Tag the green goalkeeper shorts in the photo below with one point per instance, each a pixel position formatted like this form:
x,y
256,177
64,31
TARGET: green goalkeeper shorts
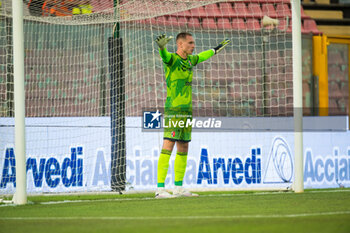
x,y
177,129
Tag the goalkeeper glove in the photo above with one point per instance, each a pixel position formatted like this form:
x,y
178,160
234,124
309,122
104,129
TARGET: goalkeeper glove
x,y
162,40
222,45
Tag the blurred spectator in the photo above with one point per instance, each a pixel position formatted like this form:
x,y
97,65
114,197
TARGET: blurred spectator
x,y
59,7
83,7
35,7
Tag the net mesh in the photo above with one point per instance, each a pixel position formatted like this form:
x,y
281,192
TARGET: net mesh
x,y
68,83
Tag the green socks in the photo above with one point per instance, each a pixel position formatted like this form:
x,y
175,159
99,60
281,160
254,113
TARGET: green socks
x,y
163,165
180,167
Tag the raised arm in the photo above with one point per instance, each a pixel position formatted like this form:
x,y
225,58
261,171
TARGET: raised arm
x,y
162,40
165,55
205,55
222,45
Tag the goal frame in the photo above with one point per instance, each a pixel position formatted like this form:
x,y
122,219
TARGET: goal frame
x,y
20,196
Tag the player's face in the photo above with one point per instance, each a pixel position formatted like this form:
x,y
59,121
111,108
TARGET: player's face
x,y
188,45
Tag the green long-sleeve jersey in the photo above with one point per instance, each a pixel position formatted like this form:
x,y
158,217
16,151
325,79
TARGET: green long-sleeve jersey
x,y
178,76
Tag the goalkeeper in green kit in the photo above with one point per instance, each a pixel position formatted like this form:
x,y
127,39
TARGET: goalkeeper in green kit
x,y
178,107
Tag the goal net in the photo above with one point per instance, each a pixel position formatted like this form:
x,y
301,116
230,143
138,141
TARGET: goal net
x,y
93,75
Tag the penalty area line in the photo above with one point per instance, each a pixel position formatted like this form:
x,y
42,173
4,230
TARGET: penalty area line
x,y
181,217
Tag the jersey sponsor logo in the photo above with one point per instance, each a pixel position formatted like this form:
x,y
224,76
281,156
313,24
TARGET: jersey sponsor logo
x,y
152,120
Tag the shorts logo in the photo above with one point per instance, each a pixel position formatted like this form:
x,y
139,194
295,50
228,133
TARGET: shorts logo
x,y
173,133
152,120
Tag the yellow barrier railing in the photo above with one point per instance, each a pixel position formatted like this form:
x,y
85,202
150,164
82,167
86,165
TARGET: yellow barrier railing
x,y
320,69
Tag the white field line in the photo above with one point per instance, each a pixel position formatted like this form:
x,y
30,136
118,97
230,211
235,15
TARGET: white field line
x,y
201,196
208,195
181,217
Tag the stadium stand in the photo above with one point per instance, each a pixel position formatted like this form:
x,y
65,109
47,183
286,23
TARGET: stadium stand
x,y
283,10
269,10
332,17
226,9
238,24
198,12
212,10
309,25
224,23
240,16
194,23
253,24
240,9
285,25
209,23
221,15
255,10
338,78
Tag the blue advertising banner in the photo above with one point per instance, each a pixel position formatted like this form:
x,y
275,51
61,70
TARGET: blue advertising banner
x,y
73,155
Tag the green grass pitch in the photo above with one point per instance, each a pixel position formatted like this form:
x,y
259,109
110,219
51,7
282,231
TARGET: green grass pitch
x,y
311,211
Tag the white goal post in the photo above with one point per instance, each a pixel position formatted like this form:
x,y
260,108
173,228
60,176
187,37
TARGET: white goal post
x,y
298,97
20,196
